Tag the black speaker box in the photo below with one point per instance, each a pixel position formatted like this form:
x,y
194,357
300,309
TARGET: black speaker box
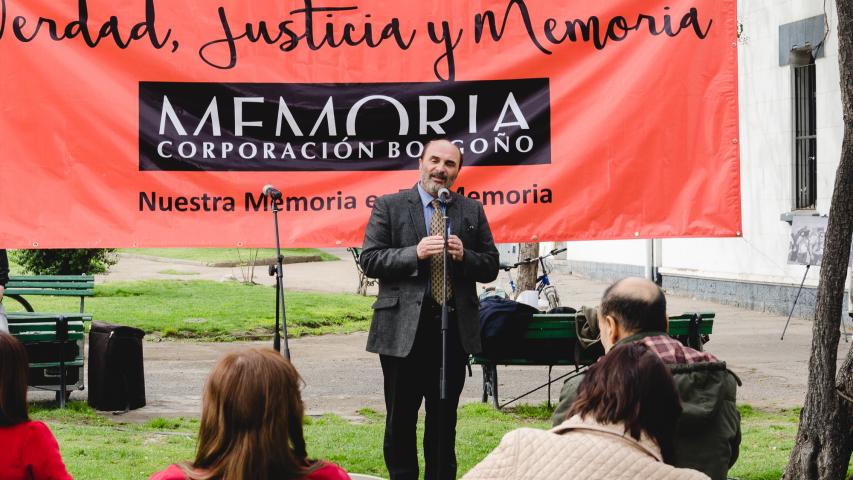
x,y
116,376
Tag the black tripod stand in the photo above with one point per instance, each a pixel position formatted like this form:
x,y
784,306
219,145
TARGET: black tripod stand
x,y
843,326
797,297
277,269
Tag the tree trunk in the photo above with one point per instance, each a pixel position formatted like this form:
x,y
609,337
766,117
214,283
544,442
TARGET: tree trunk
x,y
527,273
823,445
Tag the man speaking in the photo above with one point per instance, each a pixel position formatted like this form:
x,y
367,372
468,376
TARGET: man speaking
x,y
403,246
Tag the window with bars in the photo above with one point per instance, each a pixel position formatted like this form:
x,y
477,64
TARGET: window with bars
x,y
805,135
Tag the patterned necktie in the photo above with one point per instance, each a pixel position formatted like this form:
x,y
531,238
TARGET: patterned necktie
x,y
436,267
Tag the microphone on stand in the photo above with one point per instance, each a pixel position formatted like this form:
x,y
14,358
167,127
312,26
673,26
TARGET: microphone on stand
x,y
444,198
271,192
277,270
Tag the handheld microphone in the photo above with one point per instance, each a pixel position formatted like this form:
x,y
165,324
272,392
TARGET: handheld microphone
x,y
271,192
444,195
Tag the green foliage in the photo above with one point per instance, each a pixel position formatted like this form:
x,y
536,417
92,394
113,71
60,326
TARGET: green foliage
x,y
65,261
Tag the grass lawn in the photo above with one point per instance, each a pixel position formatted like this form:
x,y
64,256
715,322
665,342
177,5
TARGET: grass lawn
x,y
213,310
95,447
172,271
222,255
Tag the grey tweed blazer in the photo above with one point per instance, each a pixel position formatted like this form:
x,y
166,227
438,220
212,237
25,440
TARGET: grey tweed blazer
x,y
389,254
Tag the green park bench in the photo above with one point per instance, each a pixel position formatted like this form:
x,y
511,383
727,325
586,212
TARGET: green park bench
x,y
551,340
54,341
55,285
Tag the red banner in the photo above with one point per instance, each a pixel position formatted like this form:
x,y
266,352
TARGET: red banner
x,y
150,123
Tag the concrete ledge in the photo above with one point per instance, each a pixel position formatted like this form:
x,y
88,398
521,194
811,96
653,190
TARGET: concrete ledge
x,y
758,296
762,297
607,272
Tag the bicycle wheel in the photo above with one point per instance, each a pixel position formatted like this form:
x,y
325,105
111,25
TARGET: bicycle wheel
x,y
550,293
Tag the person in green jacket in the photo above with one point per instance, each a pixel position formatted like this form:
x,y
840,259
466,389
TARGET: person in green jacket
x,y
708,433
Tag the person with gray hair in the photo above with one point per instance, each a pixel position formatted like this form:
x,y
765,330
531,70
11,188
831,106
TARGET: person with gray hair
x,y
633,310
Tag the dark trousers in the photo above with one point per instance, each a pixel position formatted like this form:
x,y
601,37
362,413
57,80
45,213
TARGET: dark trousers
x,y
409,380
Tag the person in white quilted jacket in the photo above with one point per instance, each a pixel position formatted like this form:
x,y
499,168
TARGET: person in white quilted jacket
x,y
621,426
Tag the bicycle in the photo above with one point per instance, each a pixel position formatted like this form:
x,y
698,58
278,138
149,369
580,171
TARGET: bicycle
x,y
543,283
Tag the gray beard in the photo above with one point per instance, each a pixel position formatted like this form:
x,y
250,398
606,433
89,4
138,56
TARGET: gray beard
x,y
431,188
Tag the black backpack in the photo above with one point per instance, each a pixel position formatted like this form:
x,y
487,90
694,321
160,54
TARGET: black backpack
x,y
502,324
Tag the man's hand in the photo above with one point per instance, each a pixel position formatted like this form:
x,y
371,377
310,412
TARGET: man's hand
x,y
455,248
2,289
430,246
433,245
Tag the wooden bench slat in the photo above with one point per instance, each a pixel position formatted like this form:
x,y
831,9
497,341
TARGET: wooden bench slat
x,y
70,363
47,316
51,278
554,317
51,285
37,281
689,315
56,292
28,338
41,289
682,327
43,326
545,326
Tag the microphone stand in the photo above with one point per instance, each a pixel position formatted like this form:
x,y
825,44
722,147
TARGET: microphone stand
x,y
444,329
444,319
278,270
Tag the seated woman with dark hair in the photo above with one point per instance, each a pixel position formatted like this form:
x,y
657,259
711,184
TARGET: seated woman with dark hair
x,y
621,426
28,450
251,425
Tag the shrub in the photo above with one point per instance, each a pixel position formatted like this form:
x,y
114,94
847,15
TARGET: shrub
x,y
66,261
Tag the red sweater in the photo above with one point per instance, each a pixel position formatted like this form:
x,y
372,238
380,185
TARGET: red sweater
x,y
329,471
28,451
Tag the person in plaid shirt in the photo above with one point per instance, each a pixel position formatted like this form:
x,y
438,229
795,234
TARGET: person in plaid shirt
x,y
708,433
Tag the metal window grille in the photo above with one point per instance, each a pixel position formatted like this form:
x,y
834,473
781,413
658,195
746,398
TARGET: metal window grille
x,y
805,137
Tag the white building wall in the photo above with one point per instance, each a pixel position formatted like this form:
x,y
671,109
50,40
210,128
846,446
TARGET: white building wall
x,y
765,93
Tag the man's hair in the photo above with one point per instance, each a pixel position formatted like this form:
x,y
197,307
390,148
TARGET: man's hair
x,y
634,312
631,386
251,420
13,381
438,139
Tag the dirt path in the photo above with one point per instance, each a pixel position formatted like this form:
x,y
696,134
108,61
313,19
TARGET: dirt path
x,y
333,276
341,377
